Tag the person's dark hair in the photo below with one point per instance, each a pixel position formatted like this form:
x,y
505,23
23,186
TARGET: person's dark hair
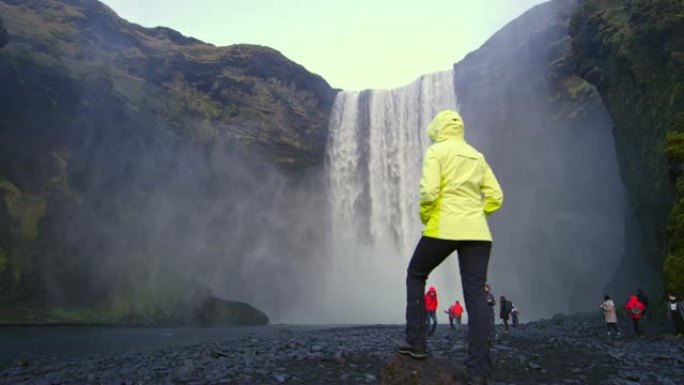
x,y
606,297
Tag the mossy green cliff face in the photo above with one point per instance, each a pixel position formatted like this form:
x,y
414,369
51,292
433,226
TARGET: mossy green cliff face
x,y
123,152
548,137
252,93
633,52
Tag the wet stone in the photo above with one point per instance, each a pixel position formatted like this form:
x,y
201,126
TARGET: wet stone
x,y
355,355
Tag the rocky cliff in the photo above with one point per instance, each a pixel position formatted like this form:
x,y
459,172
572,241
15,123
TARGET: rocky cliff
x,y
105,126
633,52
547,136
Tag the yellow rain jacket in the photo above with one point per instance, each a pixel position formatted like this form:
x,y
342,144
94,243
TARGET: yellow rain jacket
x,y
457,189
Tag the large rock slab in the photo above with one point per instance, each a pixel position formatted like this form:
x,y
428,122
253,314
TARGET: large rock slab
x,y
216,311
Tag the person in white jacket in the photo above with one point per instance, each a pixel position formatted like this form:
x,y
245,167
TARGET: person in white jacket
x,y
610,315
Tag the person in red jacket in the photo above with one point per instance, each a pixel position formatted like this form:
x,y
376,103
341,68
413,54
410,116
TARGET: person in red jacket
x,y
455,313
431,309
635,309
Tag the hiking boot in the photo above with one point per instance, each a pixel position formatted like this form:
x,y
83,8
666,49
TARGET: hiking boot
x,y
415,352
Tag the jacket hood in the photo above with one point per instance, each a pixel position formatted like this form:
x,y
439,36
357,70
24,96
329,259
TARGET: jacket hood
x,y
633,299
432,290
447,124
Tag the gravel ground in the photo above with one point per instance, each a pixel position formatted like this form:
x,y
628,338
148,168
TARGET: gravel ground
x,y
564,350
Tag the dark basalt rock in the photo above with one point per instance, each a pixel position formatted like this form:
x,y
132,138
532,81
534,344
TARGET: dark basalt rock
x,y
101,118
249,92
633,52
220,312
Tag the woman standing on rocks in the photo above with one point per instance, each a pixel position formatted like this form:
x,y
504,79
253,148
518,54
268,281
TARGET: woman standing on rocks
x,y
458,190
609,314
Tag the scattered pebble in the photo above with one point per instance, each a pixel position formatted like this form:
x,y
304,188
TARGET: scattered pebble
x,y
568,350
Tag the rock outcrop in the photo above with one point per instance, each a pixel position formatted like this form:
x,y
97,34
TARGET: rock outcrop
x,y
547,136
220,312
105,125
633,52
252,93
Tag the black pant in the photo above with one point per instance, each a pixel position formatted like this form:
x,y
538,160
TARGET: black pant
x,y
473,258
635,323
677,321
455,322
612,326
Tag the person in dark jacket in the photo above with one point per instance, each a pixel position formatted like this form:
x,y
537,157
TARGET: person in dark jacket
x,y
504,311
644,301
675,313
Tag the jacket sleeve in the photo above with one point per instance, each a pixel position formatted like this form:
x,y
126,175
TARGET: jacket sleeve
x,y
429,185
493,195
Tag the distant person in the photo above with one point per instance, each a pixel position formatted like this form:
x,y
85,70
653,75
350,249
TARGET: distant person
x,y
458,191
635,309
675,313
514,315
644,301
455,313
505,308
431,310
491,302
610,315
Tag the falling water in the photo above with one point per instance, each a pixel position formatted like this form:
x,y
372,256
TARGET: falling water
x,y
375,147
557,240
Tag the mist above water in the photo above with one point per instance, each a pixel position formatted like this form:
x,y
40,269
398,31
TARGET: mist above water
x,y
332,245
557,240
374,159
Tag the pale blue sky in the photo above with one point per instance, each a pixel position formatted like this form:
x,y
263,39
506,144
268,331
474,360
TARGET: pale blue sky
x,y
353,44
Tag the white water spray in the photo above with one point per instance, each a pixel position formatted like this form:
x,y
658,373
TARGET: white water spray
x,y
557,240
374,161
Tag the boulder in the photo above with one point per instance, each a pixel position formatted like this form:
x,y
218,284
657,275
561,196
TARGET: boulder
x,y
215,311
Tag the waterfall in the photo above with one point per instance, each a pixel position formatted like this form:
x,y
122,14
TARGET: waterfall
x,y
374,161
557,240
